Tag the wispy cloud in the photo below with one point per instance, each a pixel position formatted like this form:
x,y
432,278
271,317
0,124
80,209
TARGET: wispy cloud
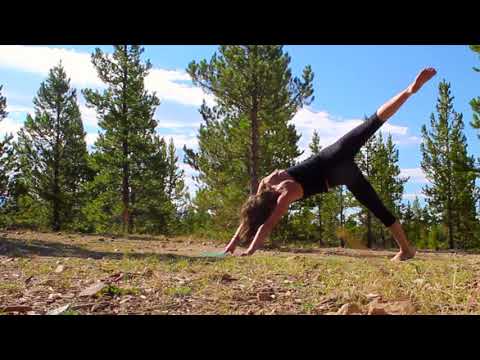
x,y
19,109
167,86
90,138
179,140
10,126
40,59
330,128
170,85
416,175
412,196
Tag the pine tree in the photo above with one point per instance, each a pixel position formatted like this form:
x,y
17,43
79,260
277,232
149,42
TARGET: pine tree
x,y
6,154
175,188
475,103
451,193
128,156
254,82
52,150
247,134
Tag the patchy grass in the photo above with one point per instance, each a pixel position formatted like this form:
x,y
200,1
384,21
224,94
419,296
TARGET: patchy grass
x,y
156,275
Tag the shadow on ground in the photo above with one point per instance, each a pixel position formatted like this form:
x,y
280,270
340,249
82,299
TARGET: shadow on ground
x,y
26,248
355,253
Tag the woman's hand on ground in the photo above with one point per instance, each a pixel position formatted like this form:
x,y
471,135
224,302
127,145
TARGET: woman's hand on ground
x,y
247,252
230,248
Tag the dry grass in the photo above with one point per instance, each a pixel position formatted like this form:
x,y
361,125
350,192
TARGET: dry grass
x,y
148,275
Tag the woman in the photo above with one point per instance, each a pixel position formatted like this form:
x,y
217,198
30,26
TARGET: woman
x,y
333,166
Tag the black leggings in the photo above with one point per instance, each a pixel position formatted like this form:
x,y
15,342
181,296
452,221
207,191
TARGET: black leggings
x,y
346,172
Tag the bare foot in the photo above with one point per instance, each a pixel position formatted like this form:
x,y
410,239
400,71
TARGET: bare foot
x,y
404,255
421,79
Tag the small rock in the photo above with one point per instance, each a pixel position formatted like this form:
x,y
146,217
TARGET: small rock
x,y
59,310
93,290
372,296
101,239
126,299
59,269
54,296
349,309
419,282
143,297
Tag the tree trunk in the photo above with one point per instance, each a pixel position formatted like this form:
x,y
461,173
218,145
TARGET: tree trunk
x,y
342,220
320,223
56,207
131,214
125,168
369,230
56,169
254,151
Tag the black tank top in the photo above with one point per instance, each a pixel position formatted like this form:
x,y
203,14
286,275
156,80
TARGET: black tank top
x,y
311,175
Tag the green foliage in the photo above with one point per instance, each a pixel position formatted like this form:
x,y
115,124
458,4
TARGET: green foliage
x,y
247,134
52,153
7,161
137,184
451,193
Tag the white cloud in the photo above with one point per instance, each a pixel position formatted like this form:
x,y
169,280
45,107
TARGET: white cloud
x,y
189,174
40,59
19,109
331,129
89,115
416,175
411,196
90,138
78,66
165,84
10,126
183,139
167,124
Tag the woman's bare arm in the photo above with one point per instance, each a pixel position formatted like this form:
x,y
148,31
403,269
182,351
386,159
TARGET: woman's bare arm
x,y
264,230
234,241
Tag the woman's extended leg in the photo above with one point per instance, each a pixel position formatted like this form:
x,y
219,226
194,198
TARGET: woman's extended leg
x,y
348,145
367,196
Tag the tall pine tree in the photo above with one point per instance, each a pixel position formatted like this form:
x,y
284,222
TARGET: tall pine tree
x,y
52,150
254,82
475,103
5,151
130,158
247,135
451,193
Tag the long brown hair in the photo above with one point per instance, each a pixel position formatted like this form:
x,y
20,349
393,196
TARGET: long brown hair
x,y
255,211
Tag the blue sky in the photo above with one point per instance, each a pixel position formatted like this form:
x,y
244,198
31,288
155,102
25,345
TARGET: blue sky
x,y
350,82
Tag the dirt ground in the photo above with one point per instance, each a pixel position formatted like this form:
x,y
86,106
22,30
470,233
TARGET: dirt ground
x,y
74,274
